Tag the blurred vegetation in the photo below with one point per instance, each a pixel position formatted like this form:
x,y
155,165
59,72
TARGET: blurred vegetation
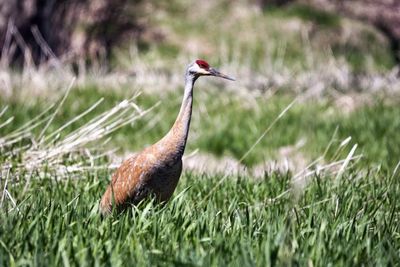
x,y
306,13
39,31
88,31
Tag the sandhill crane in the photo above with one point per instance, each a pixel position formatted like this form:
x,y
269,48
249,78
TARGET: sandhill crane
x,y
156,170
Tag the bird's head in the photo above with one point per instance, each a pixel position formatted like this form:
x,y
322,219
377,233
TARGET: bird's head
x,y
202,68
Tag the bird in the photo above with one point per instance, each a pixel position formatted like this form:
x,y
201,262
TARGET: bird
x,y
155,171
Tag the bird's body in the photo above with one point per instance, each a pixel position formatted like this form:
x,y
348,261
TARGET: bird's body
x,y
156,170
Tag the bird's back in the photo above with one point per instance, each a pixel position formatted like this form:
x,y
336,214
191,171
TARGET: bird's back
x,y
156,170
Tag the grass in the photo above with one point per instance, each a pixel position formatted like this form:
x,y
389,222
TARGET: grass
x,y
306,13
346,219
231,125
254,34
350,220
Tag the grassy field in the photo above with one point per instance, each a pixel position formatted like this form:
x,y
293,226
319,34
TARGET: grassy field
x,y
347,218
226,124
300,156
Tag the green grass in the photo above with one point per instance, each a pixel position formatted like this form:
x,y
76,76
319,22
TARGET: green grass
x,y
225,125
249,37
306,13
353,220
348,220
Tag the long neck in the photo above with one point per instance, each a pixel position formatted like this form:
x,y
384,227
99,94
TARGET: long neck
x,y
180,129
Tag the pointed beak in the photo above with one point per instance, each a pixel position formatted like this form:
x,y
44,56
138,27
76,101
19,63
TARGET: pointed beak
x,y
216,73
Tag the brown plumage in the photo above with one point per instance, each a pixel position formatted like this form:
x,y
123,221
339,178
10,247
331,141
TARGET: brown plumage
x,y
156,170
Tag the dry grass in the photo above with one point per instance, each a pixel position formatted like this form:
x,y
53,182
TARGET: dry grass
x,y
332,79
60,153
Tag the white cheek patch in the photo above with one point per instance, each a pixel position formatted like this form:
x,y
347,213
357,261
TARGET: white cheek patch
x,y
199,70
202,71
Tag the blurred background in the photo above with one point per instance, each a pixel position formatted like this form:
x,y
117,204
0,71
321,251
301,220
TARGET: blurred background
x,y
338,59
364,32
